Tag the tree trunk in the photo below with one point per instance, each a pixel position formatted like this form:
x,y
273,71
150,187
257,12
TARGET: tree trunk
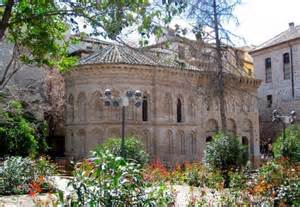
x,y
5,18
220,75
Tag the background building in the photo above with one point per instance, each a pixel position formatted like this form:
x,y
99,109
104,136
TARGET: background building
x,y
277,63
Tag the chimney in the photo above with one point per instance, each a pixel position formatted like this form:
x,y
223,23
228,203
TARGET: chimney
x,y
291,25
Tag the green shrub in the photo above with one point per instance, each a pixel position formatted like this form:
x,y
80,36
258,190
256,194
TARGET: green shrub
x,y
238,180
195,174
290,146
20,133
225,153
109,180
134,149
17,174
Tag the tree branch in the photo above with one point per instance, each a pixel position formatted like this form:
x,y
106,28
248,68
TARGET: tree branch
x,y
5,18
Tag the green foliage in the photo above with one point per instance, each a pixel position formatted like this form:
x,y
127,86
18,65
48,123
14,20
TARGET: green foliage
x,y
195,174
280,180
238,180
225,153
109,180
134,149
17,174
20,134
290,146
39,27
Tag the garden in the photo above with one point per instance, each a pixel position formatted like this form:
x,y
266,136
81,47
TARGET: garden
x,y
105,178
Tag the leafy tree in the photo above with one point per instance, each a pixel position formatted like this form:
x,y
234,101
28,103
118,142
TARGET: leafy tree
x,y
225,153
20,134
37,28
209,19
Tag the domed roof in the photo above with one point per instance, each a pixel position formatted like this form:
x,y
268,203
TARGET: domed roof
x,y
117,54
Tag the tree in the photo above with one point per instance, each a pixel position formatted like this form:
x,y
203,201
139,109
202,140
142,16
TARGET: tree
x,y
225,153
209,17
37,28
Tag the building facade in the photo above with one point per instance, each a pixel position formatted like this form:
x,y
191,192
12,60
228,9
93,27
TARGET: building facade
x,y
277,64
176,118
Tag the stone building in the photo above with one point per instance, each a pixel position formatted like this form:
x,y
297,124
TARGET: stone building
x,y
175,120
277,64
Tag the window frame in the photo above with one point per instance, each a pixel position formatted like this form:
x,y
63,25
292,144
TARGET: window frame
x,y
268,69
286,65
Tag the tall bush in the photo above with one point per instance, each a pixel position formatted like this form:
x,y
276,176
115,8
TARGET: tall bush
x,y
20,133
225,153
134,149
290,146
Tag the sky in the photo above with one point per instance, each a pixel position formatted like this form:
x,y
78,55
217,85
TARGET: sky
x,y
260,20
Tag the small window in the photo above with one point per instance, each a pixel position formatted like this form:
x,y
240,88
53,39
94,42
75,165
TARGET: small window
x,y
244,141
269,100
179,111
268,68
208,139
286,66
145,109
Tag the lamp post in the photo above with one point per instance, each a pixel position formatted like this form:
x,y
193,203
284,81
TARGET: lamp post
x,y
123,101
285,120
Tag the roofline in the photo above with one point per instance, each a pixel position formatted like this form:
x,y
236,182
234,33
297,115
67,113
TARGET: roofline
x,y
268,47
227,75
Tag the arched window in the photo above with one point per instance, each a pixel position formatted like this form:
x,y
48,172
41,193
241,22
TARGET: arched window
x,y
193,143
168,107
192,109
145,109
170,142
70,106
179,110
286,66
82,106
208,139
181,142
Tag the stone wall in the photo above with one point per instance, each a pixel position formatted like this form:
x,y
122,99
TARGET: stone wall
x,y
89,122
280,89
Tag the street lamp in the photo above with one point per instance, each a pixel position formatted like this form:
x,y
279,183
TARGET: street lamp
x,y
285,120
123,101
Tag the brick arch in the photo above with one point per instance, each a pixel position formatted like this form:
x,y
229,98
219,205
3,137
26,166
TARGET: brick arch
x,y
193,142
212,126
147,141
248,134
168,107
82,106
70,108
96,137
231,126
192,108
96,106
81,134
170,140
181,142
